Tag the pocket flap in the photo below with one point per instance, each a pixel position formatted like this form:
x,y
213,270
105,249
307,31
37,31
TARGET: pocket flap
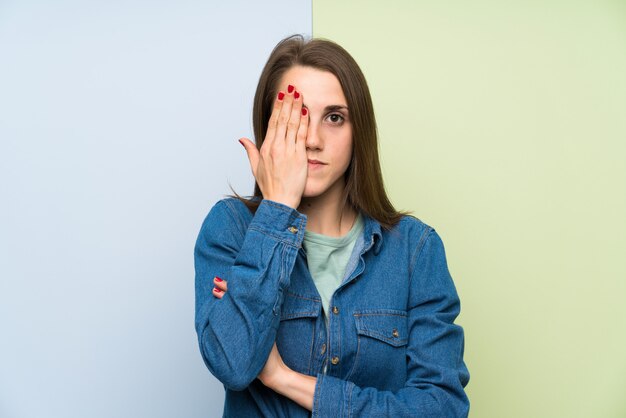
x,y
296,306
387,325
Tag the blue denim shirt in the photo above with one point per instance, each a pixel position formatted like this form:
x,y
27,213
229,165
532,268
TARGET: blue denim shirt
x,y
390,349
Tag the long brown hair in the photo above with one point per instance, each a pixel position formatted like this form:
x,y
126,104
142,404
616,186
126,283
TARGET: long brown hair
x,y
364,183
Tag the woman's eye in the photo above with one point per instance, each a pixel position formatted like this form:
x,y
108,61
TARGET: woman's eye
x,y
335,118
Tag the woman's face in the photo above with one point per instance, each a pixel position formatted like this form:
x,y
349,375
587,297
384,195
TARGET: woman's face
x,y
329,137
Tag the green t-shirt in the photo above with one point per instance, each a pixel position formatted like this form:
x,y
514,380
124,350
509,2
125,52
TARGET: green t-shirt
x,y
327,258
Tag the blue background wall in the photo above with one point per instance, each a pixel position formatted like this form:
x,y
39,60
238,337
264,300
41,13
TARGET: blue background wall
x,y
118,130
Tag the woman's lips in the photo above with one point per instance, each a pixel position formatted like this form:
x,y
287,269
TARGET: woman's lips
x,y
315,163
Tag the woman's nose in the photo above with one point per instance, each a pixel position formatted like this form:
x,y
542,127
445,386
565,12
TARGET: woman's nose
x,y
313,140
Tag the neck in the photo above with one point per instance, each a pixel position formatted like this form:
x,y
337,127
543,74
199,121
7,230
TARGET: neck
x,y
327,214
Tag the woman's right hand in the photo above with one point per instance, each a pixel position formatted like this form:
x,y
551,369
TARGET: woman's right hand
x,y
221,286
280,166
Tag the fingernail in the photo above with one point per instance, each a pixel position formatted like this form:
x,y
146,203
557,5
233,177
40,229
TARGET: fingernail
x,y
281,95
217,279
296,95
290,88
304,111
241,142
216,290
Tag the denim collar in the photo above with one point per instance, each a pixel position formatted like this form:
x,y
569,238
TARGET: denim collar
x,y
372,232
372,236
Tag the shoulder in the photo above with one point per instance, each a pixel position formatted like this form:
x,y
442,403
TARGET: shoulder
x,y
410,230
415,238
231,207
412,224
228,215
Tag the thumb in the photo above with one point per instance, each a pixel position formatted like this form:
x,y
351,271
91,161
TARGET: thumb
x,y
253,153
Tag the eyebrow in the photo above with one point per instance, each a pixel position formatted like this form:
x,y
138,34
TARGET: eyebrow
x,y
332,108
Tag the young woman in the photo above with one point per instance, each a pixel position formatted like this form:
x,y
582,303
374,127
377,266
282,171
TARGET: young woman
x,y
316,294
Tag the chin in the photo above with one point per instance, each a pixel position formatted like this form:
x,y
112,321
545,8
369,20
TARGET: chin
x,y
309,193
318,187
313,190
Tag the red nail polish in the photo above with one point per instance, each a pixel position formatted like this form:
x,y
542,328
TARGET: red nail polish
x,y
290,88
281,95
304,111
296,95
217,279
216,290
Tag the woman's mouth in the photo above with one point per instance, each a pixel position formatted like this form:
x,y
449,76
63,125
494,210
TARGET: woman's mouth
x,y
315,163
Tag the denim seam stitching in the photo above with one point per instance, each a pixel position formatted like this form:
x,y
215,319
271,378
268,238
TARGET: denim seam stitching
x,y
362,329
241,224
420,246
340,355
350,401
418,252
299,315
280,206
384,338
277,237
356,356
318,389
295,295
311,352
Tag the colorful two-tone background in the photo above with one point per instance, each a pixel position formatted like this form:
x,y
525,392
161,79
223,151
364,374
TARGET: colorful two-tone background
x,y
502,124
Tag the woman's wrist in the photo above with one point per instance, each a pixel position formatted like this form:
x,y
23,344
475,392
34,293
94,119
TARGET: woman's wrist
x,y
292,203
298,387
277,379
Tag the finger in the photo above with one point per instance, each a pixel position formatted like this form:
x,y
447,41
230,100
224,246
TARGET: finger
x,y
283,118
294,120
273,122
253,153
218,293
304,126
220,284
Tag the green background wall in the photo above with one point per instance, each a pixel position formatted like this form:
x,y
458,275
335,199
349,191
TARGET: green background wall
x,y
503,125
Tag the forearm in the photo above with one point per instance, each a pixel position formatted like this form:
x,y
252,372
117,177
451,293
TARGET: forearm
x,y
236,332
298,387
235,361
336,397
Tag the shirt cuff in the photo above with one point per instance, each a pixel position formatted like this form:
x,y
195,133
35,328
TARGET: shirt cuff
x,y
332,397
280,221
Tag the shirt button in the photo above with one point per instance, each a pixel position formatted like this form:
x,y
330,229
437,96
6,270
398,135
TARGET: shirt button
x,y
335,310
395,333
335,360
323,348
293,229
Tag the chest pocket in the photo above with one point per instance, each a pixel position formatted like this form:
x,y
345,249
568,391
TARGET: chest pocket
x,y
381,348
296,334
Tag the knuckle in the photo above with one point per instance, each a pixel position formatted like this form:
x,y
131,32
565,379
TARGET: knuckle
x,y
283,118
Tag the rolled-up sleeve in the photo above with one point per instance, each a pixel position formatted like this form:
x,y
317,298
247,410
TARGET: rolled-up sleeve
x,y
436,372
236,332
